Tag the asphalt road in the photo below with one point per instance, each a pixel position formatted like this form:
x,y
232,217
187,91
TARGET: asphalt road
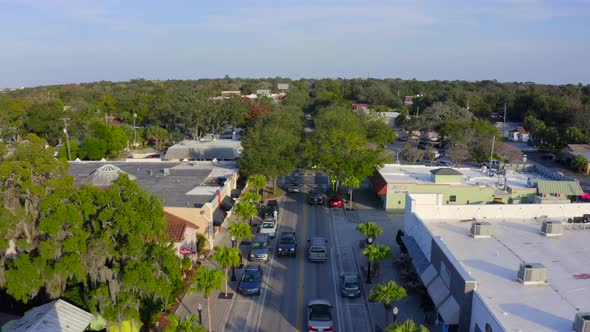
x,y
289,283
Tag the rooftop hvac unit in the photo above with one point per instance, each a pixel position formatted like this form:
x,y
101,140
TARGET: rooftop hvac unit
x,y
482,229
532,274
552,228
582,322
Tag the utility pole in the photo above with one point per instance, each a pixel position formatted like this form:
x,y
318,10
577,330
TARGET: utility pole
x,y
134,133
65,120
504,126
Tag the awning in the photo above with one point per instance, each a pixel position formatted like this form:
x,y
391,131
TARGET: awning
x,y
449,311
438,291
419,260
235,193
219,216
428,275
227,203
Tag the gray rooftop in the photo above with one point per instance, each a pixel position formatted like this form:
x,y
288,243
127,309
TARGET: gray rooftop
x,y
494,263
184,186
220,149
56,316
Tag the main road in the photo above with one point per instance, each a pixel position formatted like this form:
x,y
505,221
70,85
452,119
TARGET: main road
x,y
290,283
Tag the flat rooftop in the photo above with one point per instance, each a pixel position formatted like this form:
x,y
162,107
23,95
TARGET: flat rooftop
x,y
177,184
494,263
420,174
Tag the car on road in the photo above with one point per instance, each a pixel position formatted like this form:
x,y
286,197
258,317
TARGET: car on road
x,y
260,248
317,251
319,316
293,187
350,285
315,197
287,245
335,202
268,226
251,280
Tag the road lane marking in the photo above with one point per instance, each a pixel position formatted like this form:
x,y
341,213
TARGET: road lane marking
x,y
301,270
270,262
334,275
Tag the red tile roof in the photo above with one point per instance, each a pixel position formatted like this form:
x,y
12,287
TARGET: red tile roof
x,y
175,227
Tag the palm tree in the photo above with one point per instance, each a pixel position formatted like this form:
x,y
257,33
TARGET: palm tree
x,y
257,181
407,326
375,253
246,211
351,182
369,230
251,197
387,293
185,325
205,281
226,258
240,231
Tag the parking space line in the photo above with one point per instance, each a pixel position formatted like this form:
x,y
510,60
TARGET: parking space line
x,y
301,271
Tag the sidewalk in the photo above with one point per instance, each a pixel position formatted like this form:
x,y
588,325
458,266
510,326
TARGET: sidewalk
x,y
220,307
410,307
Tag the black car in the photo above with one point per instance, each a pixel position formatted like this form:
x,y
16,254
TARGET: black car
x,y
287,244
421,146
251,280
315,197
350,285
273,205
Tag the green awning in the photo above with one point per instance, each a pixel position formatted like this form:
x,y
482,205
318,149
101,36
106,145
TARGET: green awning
x,y
569,188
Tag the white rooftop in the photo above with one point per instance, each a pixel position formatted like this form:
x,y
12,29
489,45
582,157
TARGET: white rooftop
x,y
420,174
494,263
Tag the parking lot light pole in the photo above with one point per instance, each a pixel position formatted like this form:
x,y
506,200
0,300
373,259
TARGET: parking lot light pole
x,y
370,241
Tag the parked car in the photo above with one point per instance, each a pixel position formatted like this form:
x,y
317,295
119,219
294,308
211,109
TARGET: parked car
x,y
335,202
273,205
293,187
350,285
403,138
444,163
251,280
495,164
315,197
260,248
319,316
548,156
268,226
287,244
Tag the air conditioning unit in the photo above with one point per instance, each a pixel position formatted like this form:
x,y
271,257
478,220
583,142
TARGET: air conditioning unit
x,y
532,274
582,322
482,229
552,228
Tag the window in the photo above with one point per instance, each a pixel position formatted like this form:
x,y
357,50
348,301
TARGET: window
x,y
453,198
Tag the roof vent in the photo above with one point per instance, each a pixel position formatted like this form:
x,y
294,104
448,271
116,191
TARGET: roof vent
x,y
532,274
552,228
582,322
482,229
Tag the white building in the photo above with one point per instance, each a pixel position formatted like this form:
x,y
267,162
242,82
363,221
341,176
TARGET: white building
x,y
509,275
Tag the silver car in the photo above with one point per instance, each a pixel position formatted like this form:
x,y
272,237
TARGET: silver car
x,y
260,249
319,316
294,187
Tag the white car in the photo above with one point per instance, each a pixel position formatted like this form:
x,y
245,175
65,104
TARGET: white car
x,y
268,226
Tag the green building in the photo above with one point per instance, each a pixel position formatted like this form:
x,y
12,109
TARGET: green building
x,y
467,186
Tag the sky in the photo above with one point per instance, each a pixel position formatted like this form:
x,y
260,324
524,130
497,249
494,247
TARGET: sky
x,y
72,41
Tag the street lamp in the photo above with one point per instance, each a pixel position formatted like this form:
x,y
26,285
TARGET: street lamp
x,y
395,312
200,309
233,268
370,241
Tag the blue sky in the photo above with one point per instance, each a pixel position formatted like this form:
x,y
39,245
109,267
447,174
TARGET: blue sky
x,y
70,41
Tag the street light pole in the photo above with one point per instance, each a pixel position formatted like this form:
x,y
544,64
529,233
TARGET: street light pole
x,y
370,241
200,309
395,312
233,268
134,131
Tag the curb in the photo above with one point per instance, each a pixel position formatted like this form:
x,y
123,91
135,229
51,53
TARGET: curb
x,y
365,296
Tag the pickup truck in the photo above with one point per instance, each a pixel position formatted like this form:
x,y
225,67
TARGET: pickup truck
x,y
268,226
